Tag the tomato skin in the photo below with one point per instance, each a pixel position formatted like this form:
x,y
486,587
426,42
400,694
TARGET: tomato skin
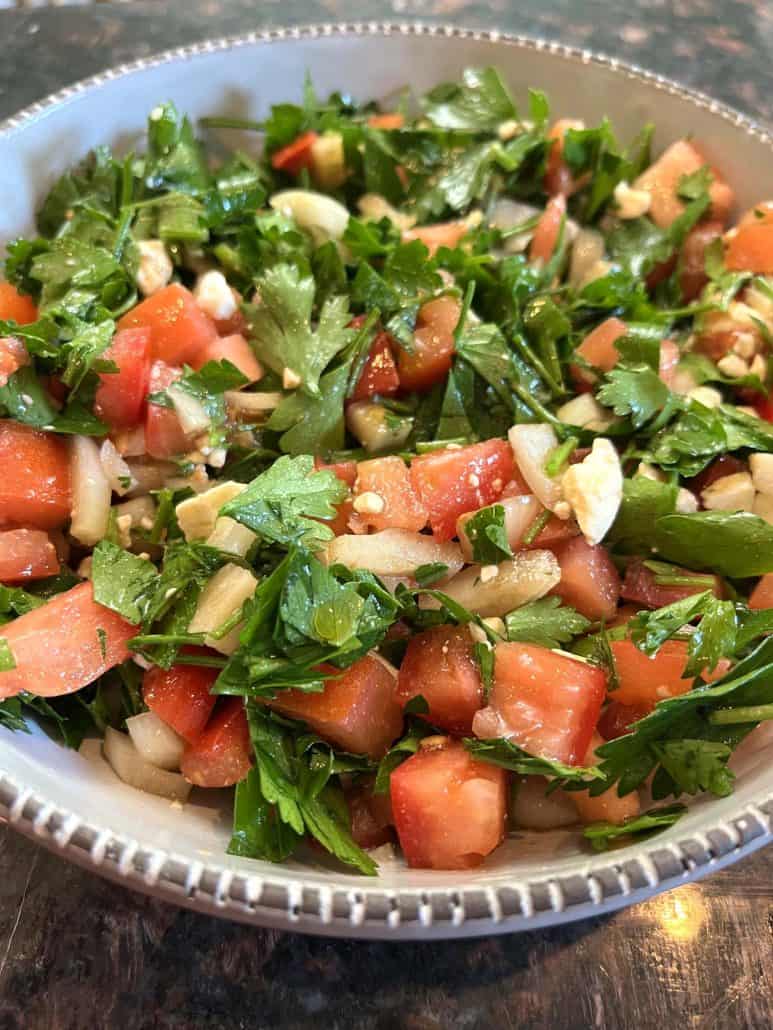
x,y
645,680
765,409
692,272
296,156
589,579
442,234
545,702
346,471
13,354
179,329
433,345
164,436
545,238
370,816
121,396
750,249
58,647
233,348
616,719
640,587
357,711
180,696
379,373
669,358
221,755
598,348
388,120
451,483
35,485
661,181
440,665
762,595
26,554
16,307
390,479
558,174
449,808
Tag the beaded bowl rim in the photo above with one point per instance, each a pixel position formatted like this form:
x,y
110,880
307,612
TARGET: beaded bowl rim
x,y
601,884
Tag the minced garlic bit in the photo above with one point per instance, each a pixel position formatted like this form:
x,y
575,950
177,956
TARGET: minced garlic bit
x,y
368,503
631,203
290,379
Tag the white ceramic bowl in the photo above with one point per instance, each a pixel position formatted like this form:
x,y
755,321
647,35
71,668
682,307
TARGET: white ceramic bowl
x,y
77,807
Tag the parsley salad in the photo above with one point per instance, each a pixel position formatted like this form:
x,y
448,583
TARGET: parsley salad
x,y
414,478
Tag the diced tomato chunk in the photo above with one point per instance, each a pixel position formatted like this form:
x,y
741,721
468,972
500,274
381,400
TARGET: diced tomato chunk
x,y
388,120
164,436
233,348
357,710
16,307
346,471
64,645
608,806
26,554
433,345
589,579
442,234
449,808
669,358
379,373
616,719
440,665
179,329
558,174
371,816
544,702
387,484
692,261
640,587
661,180
34,477
13,354
645,680
296,156
452,482
598,348
765,408
548,229
180,696
221,755
120,398
762,595
750,247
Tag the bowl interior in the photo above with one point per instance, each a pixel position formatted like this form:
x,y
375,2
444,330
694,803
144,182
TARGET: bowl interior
x,y
244,80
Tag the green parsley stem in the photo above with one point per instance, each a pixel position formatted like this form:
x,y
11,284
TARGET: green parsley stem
x,y
536,527
528,354
704,582
750,713
537,407
467,301
211,661
232,123
559,456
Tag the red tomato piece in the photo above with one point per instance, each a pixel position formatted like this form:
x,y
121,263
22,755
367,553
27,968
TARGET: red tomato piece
x,y
645,680
346,471
379,373
443,234
181,697
34,477
179,329
164,436
16,307
389,481
661,181
64,645
388,120
440,665
233,348
452,482
357,710
765,408
669,358
548,229
371,817
750,247
616,719
589,579
449,808
598,348
26,554
692,261
13,354
545,702
221,755
296,156
640,587
558,175
120,398
433,345
762,595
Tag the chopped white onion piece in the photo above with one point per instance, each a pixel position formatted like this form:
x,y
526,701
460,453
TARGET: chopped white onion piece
x,y
252,404
520,513
191,412
220,599
90,493
129,765
531,444
322,216
118,473
519,580
393,552
156,742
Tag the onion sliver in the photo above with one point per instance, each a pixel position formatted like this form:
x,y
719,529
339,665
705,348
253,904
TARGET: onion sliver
x,y
190,411
323,217
117,472
156,742
129,765
393,552
519,580
90,493
531,444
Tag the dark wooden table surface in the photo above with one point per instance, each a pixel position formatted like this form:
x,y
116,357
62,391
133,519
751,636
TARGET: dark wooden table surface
x,y
76,952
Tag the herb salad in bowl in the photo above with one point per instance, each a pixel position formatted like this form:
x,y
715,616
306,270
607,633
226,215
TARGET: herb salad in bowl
x,y
405,468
